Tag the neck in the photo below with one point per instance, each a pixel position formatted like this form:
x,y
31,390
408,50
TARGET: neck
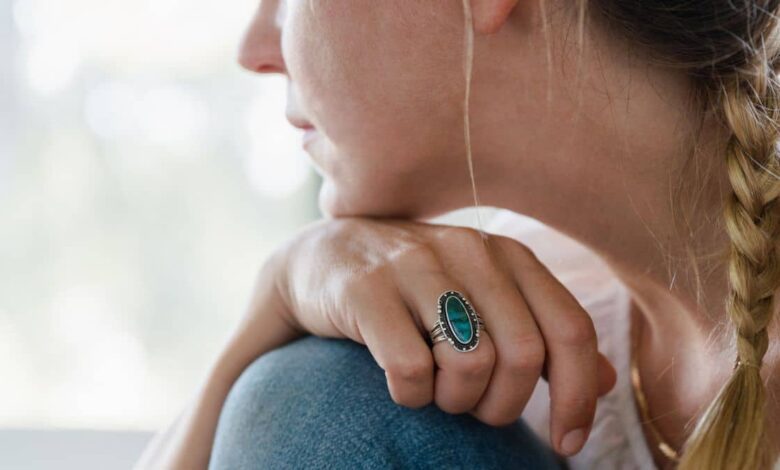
x,y
644,187
645,190
672,255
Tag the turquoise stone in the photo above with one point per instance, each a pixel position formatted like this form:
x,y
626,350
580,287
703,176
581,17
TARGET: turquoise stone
x,y
459,320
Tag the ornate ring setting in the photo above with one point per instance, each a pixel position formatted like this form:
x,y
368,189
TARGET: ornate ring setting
x,y
457,322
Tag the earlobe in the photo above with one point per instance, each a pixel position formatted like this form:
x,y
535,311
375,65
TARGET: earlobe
x,y
490,15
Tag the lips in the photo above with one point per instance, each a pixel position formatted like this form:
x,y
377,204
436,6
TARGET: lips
x,y
296,119
299,122
309,135
310,132
292,113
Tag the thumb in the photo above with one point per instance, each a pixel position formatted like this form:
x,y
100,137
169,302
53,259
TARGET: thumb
x,y
607,375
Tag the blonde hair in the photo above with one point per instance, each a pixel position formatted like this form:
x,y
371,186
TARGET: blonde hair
x,y
731,50
732,431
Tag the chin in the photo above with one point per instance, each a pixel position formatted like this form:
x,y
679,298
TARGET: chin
x,y
335,202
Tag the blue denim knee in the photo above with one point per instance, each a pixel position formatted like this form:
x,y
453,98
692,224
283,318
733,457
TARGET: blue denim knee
x,y
323,403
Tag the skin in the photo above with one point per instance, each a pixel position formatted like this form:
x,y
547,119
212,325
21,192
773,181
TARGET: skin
x,y
603,151
591,147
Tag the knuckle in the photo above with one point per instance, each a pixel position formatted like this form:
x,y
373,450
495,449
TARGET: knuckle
x,y
418,254
481,259
475,365
575,405
469,242
577,331
414,370
459,236
515,247
524,355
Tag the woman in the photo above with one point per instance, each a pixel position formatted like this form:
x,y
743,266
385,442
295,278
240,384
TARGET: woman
x,y
645,131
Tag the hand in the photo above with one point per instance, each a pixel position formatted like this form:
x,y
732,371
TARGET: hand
x,y
376,281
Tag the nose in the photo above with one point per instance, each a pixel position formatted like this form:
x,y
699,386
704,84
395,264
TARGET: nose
x,y
260,49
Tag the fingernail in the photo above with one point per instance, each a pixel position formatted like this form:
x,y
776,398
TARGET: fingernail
x,y
572,441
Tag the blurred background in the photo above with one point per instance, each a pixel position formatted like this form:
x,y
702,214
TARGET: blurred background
x,y
144,178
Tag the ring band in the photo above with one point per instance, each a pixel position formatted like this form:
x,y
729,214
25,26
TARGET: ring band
x,y
457,322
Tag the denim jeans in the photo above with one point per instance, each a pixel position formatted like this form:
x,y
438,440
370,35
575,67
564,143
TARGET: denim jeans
x,y
324,403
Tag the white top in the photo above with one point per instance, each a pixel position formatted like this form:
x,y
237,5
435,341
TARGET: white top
x,y
616,441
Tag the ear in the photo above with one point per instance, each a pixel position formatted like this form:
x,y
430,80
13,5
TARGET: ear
x,y
490,15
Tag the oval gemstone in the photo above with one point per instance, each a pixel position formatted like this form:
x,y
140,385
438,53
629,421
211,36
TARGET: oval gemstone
x,y
459,320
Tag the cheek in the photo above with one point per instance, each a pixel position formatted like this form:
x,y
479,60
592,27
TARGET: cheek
x,y
386,92
379,86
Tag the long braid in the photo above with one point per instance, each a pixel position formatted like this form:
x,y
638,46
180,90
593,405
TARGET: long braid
x,y
731,51
732,431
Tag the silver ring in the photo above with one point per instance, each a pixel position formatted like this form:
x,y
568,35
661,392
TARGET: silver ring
x,y
457,322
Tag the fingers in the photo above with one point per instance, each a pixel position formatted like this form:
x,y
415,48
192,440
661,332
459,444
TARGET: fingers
x,y
572,355
607,375
461,377
520,354
523,305
395,342
520,349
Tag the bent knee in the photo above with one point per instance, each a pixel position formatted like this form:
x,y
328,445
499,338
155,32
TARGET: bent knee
x,y
309,372
307,398
320,402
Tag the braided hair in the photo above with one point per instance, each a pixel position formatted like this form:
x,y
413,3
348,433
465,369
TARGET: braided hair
x,y
731,50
